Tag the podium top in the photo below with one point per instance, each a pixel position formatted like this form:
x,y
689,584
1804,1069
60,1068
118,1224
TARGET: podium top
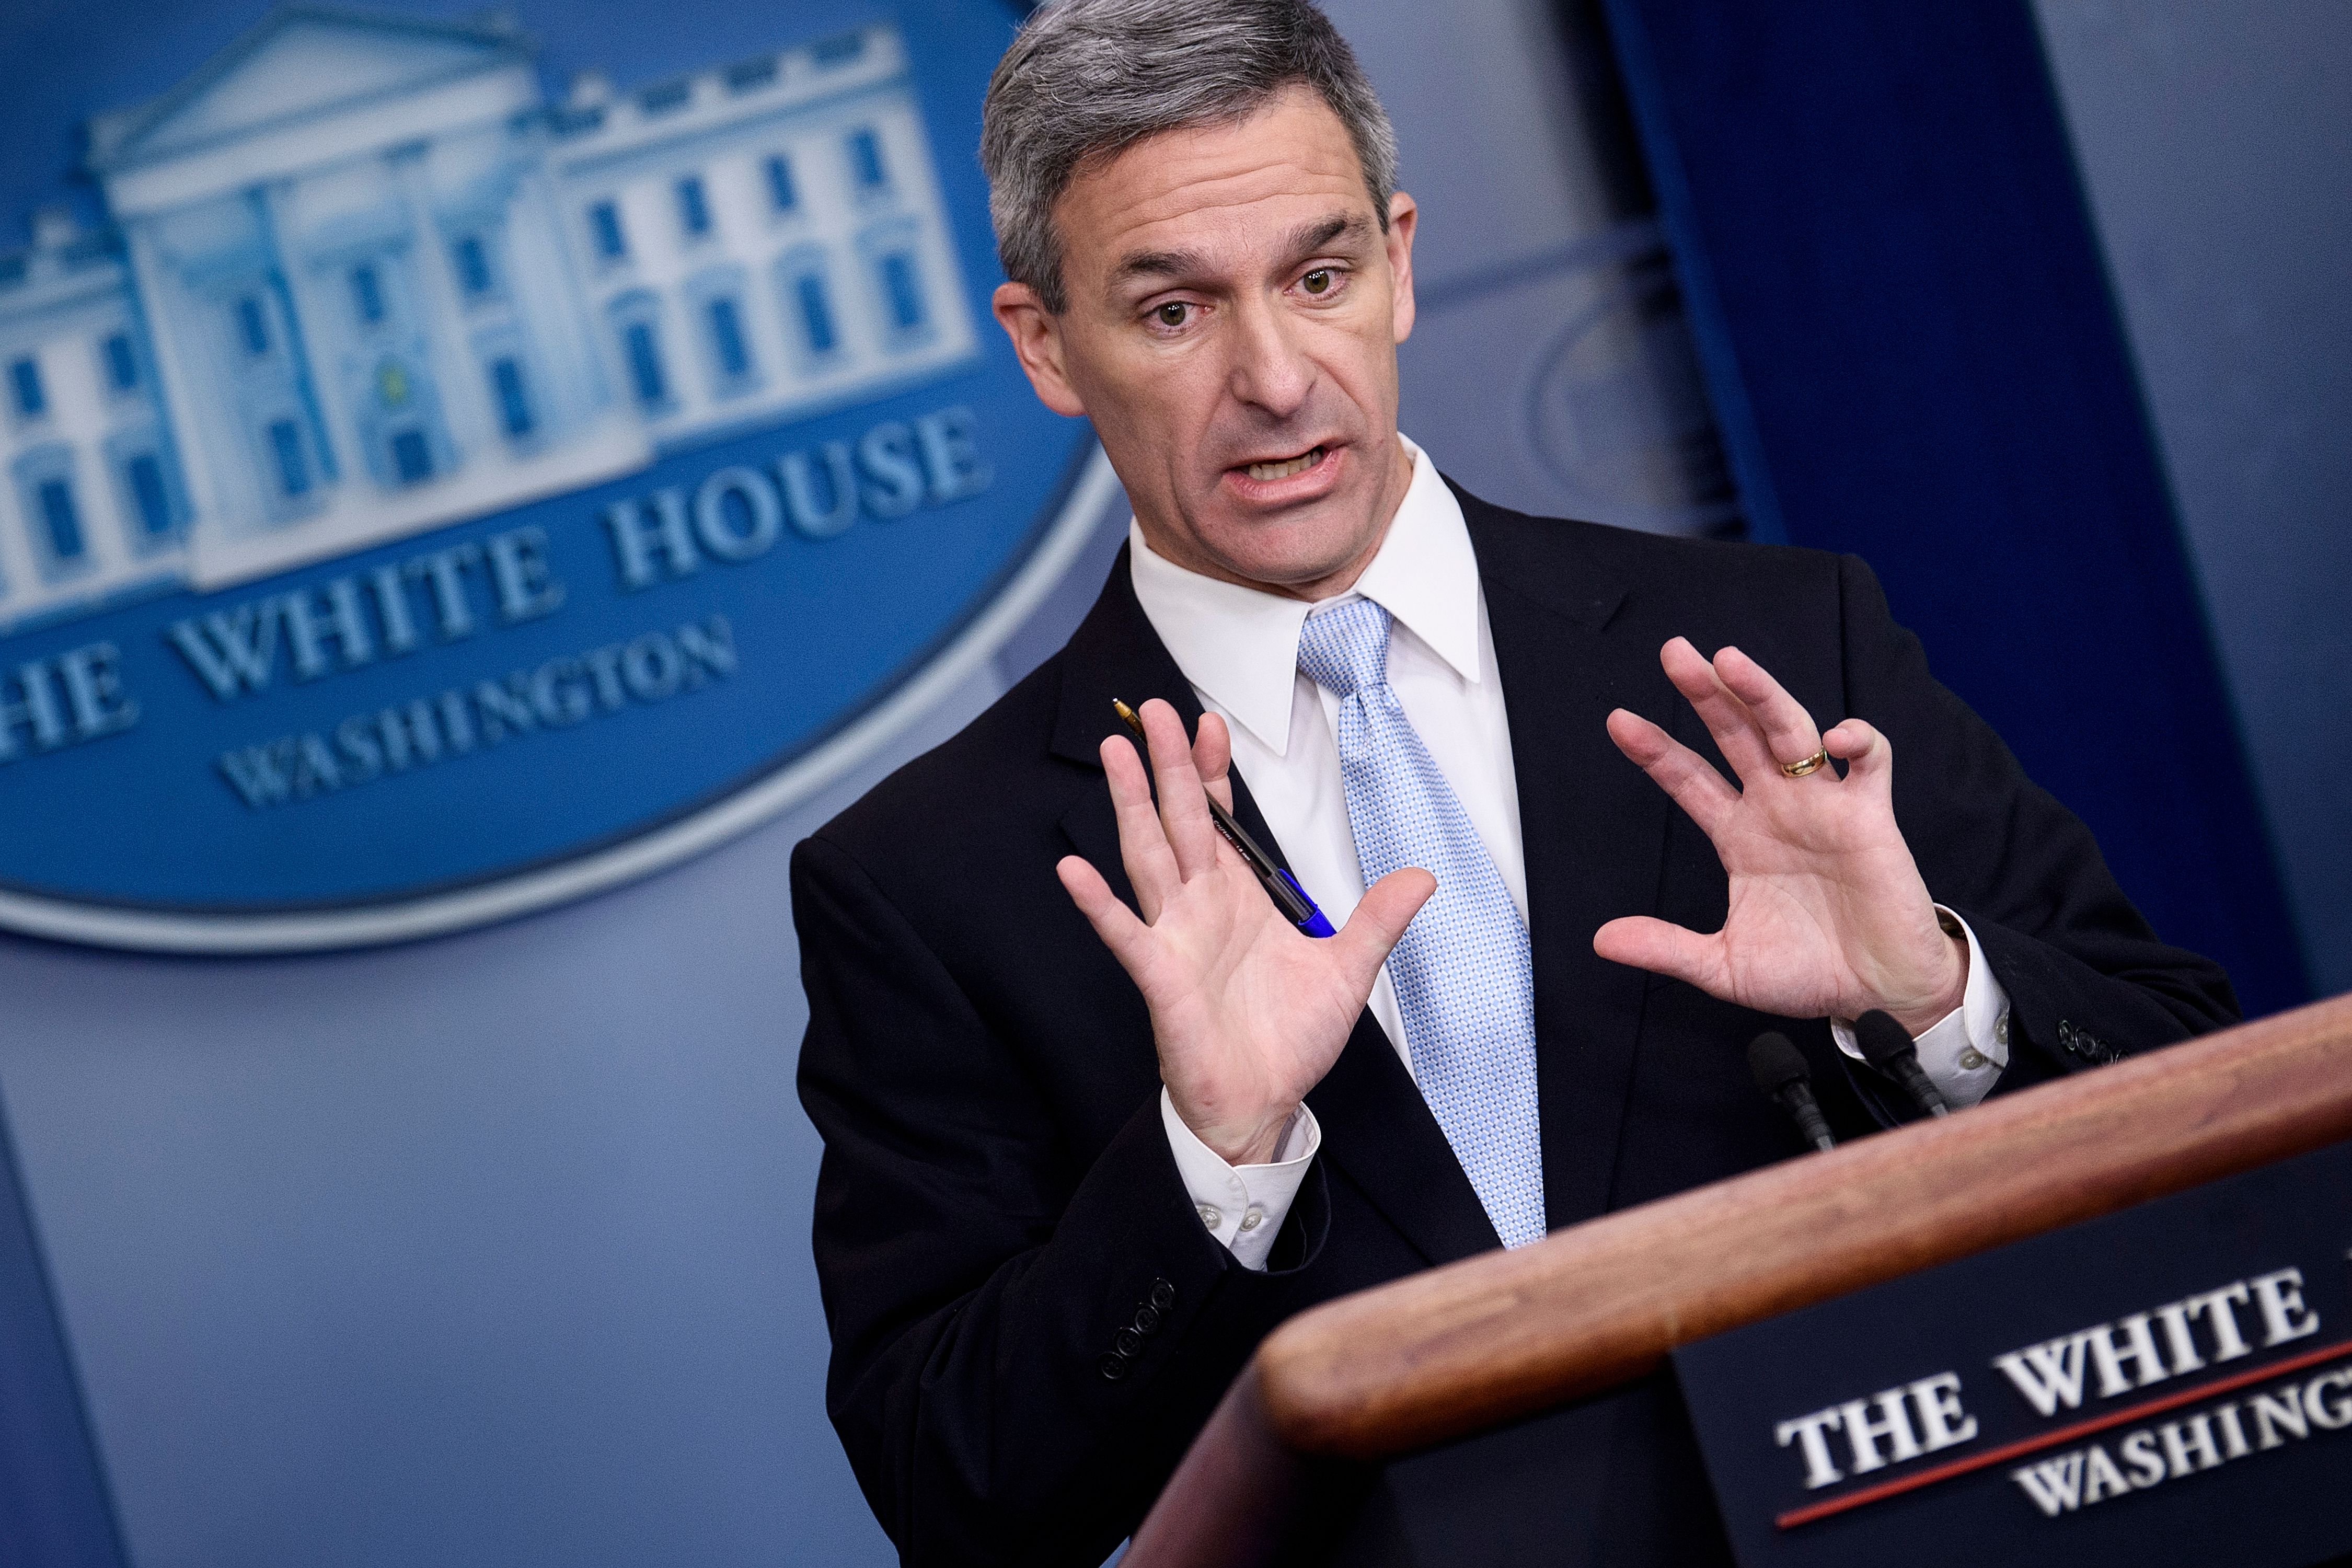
x,y
1480,1341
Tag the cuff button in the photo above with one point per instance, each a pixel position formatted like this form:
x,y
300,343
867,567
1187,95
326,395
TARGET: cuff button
x,y
2085,1044
1112,1368
1146,1320
1211,1216
1254,1218
1163,1294
1973,1059
1129,1342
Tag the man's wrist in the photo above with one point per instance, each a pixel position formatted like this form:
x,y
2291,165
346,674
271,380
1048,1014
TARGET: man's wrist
x,y
1238,1141
1243,1206
1256,1148
1948,997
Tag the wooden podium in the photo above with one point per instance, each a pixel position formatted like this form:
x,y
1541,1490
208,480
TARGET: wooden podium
x,y
1483,1342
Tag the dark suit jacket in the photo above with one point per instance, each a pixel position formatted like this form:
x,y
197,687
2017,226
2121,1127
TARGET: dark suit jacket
x,y
998,1201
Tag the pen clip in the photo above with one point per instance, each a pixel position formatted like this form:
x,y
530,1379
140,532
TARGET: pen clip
x,y
1316,923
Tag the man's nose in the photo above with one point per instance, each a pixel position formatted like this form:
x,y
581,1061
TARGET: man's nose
x,y
1270,368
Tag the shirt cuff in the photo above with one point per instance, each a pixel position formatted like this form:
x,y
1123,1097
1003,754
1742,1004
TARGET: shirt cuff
x,y
1965,1050
1243,1206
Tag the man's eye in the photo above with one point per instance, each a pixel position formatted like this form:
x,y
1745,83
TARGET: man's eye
x,y
1318,282
1173,313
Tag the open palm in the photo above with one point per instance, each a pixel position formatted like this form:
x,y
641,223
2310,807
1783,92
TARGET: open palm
x,y
1828,915
1247,1011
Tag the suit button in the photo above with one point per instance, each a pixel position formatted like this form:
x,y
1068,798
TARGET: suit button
x,y
1146,1320
1129,1342
1163,1294
1112,1368
2085,1046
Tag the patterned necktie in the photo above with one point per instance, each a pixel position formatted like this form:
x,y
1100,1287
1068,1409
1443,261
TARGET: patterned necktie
x,y
1464,980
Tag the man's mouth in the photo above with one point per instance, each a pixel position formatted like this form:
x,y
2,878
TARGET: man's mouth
x,y
1266,473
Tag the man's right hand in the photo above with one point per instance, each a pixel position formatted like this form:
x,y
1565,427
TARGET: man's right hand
x,y
1247,1011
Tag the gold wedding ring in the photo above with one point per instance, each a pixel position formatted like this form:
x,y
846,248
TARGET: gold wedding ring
x,y
1812,764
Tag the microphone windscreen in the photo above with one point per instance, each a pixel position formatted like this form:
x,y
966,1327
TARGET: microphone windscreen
x,y
1776,1063
1882,1039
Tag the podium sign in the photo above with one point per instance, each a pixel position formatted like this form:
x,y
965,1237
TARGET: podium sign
x,y
2169,1384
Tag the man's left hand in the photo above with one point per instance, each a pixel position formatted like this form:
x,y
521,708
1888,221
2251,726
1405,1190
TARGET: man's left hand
x,y
1829,917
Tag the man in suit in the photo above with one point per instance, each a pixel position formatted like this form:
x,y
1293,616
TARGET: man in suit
x,y
1096,1116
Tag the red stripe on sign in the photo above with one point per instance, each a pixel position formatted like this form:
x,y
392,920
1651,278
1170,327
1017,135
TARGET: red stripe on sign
x,y
1946,1471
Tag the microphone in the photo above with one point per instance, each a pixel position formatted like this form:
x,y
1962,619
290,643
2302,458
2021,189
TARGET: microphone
x,y
1781,1073
1886,1047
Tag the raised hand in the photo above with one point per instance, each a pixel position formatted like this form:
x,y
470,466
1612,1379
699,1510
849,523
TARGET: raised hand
x,y
1829,917
1248,1012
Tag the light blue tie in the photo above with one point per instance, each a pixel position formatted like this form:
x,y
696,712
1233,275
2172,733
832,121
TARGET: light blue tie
x,y
1464,980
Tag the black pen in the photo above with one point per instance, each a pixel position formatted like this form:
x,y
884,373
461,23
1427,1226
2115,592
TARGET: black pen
x,y
1279,884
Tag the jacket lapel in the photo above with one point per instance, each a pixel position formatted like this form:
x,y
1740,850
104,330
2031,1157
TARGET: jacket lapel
x,y
1593,825
1113,654
1380,1131
1376,1126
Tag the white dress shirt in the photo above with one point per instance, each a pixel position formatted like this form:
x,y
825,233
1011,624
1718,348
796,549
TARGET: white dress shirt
x,y
1238,648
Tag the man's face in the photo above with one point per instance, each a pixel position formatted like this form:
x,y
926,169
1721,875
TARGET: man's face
x,y
1233,312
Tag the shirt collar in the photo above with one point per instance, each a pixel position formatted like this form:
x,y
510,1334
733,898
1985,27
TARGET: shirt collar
x,y
1239,647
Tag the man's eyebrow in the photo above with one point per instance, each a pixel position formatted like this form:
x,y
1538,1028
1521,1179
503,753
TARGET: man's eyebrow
x,y
1308,239
1305,240
1137,264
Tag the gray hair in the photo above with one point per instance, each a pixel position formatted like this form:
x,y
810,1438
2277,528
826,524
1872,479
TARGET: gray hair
x,y
1085,80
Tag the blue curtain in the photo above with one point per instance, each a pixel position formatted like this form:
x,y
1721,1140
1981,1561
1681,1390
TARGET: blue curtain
x,y
1907,332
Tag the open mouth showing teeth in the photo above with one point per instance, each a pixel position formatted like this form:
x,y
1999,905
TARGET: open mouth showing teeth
x,y
1263,472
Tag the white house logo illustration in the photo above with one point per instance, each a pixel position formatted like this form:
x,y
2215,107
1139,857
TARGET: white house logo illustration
x,y
425,496
364,282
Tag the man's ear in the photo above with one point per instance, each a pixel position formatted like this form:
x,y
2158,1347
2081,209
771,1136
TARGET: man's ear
x,y
1404,214
1036,334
